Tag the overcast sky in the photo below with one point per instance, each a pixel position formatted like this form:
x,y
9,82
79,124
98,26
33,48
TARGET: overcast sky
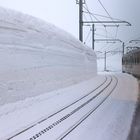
x,y
64,14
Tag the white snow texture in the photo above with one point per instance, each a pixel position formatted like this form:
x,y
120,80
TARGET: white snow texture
x,y
36,57
44,69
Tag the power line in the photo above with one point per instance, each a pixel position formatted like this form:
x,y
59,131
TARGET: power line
x,y
109,16
106,25
85,17
108,47
97,21
90,14
87,9
116,33
111,36
101,35
105,16
99,15
105,10
87,36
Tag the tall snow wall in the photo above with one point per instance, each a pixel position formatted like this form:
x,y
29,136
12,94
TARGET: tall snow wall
x,y
36,57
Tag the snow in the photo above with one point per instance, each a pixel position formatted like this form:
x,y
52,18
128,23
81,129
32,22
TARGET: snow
x,y
44,69
36,108
111,121
37,57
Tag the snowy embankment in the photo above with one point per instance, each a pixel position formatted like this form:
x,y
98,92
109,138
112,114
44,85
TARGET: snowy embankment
x,y
48,84
39,107
37,57
111,120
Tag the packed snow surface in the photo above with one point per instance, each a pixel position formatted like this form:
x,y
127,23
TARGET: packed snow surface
x,y
36,57
111,120
49,86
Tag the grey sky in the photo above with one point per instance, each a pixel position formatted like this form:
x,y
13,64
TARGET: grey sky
x,y
64,14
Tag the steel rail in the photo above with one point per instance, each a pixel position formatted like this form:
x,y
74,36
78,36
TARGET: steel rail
x,y
87,115
45,118
41,132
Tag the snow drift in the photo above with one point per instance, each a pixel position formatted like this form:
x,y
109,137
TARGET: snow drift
x,y
37,57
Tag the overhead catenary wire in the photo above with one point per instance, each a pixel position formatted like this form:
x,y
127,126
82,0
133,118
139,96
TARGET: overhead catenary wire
x,y
101,35
116,32
110,35
99,15
92,15
87,9
106,36
87,36
103,16
105,10
85,17
110,53
88,12
127,41
108,47
109,16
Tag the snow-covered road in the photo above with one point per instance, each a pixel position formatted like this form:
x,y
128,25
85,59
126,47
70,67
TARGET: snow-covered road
x,y
100,108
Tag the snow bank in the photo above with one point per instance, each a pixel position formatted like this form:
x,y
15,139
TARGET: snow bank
x,y
37,57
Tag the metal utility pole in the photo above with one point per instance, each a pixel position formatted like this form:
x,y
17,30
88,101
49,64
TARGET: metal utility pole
x,y
104,23
105,58
81,20
105,62
93,38
123,47
80,2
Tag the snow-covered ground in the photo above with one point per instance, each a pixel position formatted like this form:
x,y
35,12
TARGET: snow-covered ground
x,y
36,57
49,87
111,120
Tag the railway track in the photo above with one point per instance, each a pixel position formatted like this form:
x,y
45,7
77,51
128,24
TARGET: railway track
x,y
86,115
54,120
